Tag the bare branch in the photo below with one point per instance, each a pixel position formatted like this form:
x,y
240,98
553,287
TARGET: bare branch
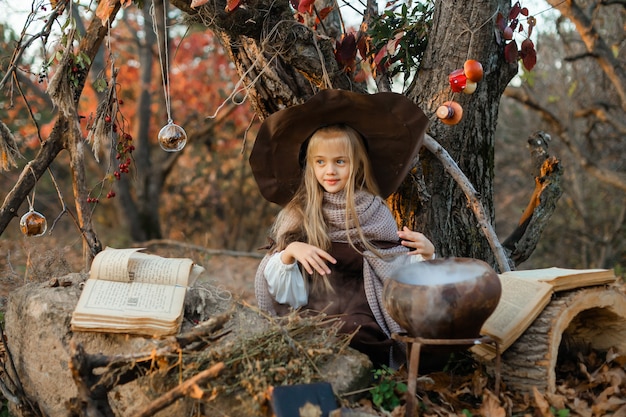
x,y
596,46
523,240
470,192
609,177
187,388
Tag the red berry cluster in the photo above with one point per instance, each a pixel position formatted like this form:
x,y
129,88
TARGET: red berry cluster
x,y
124,149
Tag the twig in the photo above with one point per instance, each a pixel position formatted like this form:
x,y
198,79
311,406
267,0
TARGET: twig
x,y
189,387
189,246
470,192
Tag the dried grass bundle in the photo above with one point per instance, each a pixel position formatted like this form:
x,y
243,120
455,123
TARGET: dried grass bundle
x,y
60,88
9,151
290,351
101,131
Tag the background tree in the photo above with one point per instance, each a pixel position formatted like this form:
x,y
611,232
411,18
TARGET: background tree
x,y
575,94
282,57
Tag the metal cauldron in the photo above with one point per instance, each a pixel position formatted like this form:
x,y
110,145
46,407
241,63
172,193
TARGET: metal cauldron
x,y
447,298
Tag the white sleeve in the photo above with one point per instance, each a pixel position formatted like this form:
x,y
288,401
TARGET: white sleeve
x,y
285,282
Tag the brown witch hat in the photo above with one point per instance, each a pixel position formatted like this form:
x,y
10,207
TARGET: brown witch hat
x,y
391,125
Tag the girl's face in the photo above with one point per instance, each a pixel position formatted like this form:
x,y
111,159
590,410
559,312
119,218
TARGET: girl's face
x,y
331,163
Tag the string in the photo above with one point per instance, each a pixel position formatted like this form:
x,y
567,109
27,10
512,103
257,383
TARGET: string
x,y
165,70
31,203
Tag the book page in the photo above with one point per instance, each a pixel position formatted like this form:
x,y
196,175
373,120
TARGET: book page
x,y
130,265
563,278
127,300
144,267
111,264
520,304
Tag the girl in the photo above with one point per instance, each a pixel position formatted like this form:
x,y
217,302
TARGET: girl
x,y
336,241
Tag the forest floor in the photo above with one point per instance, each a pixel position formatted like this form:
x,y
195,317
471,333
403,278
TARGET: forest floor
x,y
589,385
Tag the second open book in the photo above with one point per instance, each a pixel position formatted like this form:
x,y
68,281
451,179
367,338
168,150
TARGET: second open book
x,y
524,296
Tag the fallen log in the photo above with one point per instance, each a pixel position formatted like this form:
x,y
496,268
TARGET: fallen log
x,y
593,317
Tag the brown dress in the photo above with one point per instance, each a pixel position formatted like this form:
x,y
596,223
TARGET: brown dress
x,y
348,301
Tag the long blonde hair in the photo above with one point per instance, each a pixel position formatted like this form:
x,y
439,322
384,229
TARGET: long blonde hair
x,y
306,208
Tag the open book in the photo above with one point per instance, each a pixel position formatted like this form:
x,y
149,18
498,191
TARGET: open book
x,y
524,296
133,292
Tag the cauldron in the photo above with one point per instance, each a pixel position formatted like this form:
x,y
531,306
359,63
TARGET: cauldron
x,y
446,298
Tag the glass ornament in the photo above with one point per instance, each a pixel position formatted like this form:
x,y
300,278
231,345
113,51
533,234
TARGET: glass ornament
x,y
172,137
33,223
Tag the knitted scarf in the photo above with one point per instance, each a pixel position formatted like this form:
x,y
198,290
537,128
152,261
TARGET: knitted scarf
x,y
377,224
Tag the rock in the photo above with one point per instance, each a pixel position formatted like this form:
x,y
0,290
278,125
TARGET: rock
x,y
39,336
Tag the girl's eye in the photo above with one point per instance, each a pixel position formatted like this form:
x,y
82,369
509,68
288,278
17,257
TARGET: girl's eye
x,y
319,162
341,161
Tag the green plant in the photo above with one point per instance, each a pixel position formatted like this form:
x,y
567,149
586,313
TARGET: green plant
x,y
386,394
560,413
399,37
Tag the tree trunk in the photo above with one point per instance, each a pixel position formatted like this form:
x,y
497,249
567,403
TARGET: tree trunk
x,y
285,62
461,30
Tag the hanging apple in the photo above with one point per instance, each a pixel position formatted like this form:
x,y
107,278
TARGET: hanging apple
x,y
473,70
450,112
33,223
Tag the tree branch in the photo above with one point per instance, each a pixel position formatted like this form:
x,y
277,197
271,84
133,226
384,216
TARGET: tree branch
x,y
93,388
187,388
523,240
476,205
609,177
596,46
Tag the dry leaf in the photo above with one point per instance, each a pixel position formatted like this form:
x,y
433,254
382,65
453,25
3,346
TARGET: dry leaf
x,y
105,9
542,403
310,410
195,392
491,406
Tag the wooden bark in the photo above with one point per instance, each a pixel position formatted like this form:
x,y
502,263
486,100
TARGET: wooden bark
x,y
548,173
446,218
590,317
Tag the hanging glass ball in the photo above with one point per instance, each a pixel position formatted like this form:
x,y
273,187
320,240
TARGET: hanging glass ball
x,y
172,137
33,223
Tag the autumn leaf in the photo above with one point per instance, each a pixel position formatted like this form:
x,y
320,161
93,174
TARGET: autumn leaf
x,y
105,9
515,11
528,54
542,404
232,5
491,406
195,392
323,13
346,51
510,52
306,6
197,3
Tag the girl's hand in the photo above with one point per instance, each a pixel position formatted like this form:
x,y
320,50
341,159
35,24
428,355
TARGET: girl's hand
x,y
419,243
310,257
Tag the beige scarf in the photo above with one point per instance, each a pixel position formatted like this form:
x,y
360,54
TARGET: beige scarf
x,y
377,224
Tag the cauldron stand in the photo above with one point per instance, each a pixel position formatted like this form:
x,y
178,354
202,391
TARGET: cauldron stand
x,y
414,346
